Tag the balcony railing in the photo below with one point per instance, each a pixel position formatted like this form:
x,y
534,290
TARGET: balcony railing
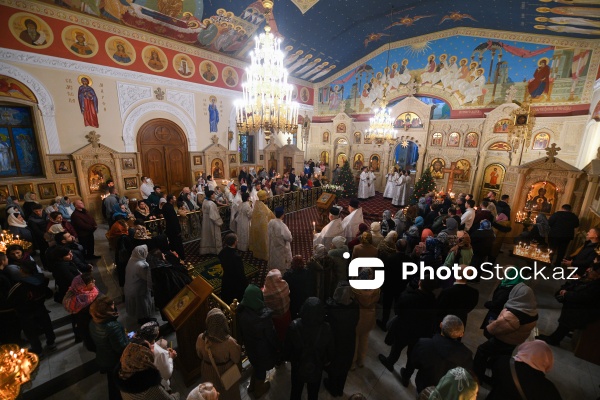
x,y
191,224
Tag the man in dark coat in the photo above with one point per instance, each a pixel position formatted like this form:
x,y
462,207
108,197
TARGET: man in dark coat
x,y
234,281
482,241
85,225
562,230
243,175
310,346
480,215
173,229
459,299
300,282
154,197
415,314
342,314
585,256
436,356
37,225
503,207
393,285
580,305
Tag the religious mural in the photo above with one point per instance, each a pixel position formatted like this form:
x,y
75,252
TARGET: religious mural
x,y
216,168
213,114
324,158
493,176
88,101
541,141
453,139
408,120
98,174
436,139
11,87
464,167
208,71
436,167
471,140
545,74
18,149
230,76
154,58
500,146
359,161
541,197
503,126
183,65
120,50
80,41
357,136
342,158
326,137
30,30
374,162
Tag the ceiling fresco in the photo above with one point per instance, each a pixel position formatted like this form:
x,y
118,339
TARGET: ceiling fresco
x,y
322,37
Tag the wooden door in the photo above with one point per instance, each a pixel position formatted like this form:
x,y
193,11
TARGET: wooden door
x,y
165,158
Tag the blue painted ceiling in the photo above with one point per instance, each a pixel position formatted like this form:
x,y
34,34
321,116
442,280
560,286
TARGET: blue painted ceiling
x,y
342,31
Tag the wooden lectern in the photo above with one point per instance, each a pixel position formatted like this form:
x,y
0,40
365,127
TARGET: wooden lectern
x,y
187,313
324,203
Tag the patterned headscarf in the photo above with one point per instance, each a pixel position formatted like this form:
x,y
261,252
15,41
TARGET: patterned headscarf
x,y
77,297
338,242
457,384
102,311
217,326
135,358
320,251
419,221
277,293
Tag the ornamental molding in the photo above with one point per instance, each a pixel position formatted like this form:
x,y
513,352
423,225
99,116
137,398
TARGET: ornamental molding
x,y
184,100
130,134
129,94
45,103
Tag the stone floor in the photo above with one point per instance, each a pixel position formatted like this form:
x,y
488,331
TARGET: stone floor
x,y
575,378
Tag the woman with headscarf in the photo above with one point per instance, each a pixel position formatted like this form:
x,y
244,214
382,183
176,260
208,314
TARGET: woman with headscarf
x,y
137,377
532,362
310,346
138,284
77,302
30,199
367,300
120,210
449,234
53,206
142,212
204,391
387,247
387,223
257,333
376,233
56,218
320,268
412,237
482,241
343,315
277,297
362,227
18,226
457,384
422,206
365,248
109,339
340,264
66,208
13,202
400,222
499,298
299,282
510,329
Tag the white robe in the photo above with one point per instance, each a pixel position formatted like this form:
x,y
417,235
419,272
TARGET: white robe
x,y
407,190
475,90
280,249
332,229
351,223
363,185
372,187
242,219
398,191
235,204
388,193
210,242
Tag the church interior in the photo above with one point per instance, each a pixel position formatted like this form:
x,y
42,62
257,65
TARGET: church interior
x,y
486,99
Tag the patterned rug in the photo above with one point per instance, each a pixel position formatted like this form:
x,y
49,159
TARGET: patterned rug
x,y
212,271
301,226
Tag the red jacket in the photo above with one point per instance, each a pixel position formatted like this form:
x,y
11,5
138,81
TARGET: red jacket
x,y
83,222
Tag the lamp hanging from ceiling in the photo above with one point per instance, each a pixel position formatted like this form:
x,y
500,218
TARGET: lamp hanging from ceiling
x,y
381,125
267,96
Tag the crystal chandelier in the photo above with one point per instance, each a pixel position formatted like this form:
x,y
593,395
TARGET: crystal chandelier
x,y
267,96
381,125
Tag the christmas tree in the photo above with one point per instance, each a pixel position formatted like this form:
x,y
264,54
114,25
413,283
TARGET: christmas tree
x,y
424,185
346,179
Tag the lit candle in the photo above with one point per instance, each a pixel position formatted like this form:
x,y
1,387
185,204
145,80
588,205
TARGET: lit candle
x,y
314,227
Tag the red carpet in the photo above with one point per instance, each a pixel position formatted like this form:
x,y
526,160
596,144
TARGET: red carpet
x,y
301,226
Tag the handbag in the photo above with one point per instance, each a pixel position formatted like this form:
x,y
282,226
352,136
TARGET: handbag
x,y
513,372
228,378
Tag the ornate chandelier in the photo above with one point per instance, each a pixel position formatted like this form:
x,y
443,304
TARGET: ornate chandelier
x,y
381,126
267,96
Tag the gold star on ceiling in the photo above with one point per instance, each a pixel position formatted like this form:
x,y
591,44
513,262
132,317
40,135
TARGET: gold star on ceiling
x,y
404,144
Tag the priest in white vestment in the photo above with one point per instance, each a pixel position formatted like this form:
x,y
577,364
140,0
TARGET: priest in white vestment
x,y
406,195
390,185
372,183
397,199
254,193
353,220
364,185
210,243
332,229
235,201
242,221
280,239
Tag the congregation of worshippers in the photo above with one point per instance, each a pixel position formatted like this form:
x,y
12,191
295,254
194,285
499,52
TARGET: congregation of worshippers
x,y
305,312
